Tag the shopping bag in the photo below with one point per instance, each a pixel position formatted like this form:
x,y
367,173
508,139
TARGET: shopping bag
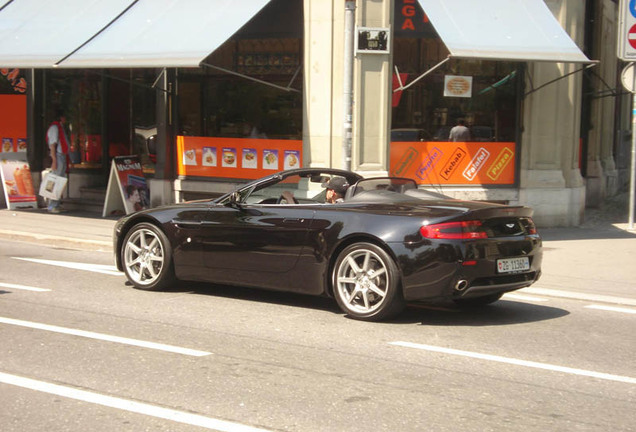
x,y
52,186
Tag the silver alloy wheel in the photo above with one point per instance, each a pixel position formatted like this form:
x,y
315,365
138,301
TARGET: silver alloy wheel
x,y
362,281
144,256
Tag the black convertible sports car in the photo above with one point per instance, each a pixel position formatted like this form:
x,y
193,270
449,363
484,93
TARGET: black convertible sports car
x,y
387,243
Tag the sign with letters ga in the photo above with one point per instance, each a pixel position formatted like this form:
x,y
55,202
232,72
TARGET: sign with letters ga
x,y
454,163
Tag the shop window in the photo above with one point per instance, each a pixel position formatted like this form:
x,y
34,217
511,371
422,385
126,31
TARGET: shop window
x,y
130,103
144,118
488,107
79,95
217,104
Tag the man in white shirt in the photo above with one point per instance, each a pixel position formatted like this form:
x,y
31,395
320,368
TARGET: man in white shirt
x,y
58,146
459,132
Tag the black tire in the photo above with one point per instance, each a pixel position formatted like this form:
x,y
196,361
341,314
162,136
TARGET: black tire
x,y
146,257
366,283
478,301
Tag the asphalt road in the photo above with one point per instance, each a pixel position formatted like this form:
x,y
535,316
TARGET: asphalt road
x,y
84,351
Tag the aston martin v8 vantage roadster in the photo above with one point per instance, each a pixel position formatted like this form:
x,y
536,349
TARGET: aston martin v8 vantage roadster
x,y
386,242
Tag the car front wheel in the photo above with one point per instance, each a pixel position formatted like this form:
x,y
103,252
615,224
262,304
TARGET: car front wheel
x,y
147,257
366,283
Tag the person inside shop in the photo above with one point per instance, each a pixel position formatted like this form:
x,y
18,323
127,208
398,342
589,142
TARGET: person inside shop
x,y
58,143
336,189
459,132
253,131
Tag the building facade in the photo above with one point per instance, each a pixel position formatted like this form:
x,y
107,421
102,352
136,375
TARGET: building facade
x,y
548,131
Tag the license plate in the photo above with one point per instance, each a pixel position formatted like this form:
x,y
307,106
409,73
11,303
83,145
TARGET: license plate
x,y
513,265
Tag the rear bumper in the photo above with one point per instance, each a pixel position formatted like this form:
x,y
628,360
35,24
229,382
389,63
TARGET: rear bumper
x,y
466,269
485,286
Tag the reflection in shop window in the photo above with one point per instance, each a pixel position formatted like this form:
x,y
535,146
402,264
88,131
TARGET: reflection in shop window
x,y
217,104
144,118
490,111
130,125
78,94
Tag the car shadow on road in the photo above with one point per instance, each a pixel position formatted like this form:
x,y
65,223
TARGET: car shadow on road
x,y
503,312
259,295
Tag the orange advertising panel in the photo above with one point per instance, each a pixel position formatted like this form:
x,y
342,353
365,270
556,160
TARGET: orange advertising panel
x,y
454,163
243,158
13,124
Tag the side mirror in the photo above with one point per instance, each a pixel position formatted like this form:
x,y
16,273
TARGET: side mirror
x,y
235,199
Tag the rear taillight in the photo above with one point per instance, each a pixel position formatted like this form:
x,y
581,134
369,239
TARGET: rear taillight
x,y
454,230
529,226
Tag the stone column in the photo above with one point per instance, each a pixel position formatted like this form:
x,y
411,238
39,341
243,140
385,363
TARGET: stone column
x,y
372,96
602,175
323,89
322,86
550,179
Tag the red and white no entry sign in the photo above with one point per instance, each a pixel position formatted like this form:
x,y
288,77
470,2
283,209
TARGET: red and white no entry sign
x,y
626,41
631,36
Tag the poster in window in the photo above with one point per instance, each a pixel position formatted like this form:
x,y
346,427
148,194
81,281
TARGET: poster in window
x,y
229,157
292,159
190,157
458,86
22,145
249,158
209,156
7,145
270,159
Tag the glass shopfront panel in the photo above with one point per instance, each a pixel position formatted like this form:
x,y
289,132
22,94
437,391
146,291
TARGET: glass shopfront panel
x,y
79,95
231,127
240,114
122,99
482,94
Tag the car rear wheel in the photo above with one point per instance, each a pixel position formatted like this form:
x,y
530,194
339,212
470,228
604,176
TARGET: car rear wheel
x,y
366,283
147,257
478,301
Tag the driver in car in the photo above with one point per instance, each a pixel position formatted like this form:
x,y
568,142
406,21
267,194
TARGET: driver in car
x,y
336,188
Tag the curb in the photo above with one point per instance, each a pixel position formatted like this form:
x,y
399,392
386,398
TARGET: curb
x,y
95,245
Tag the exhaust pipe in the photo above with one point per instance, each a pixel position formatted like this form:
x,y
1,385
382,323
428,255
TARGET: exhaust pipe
x,y
461,285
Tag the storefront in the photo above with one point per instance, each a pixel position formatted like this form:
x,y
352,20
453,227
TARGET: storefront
x,y
235,92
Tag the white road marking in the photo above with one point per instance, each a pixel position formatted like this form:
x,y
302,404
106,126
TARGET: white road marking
x,y
612,309
23,287
579,296
524,298
105,337
127,405
97,268
518,362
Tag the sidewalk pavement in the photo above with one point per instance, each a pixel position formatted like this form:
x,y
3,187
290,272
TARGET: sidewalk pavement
x,y
81,230
596,261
